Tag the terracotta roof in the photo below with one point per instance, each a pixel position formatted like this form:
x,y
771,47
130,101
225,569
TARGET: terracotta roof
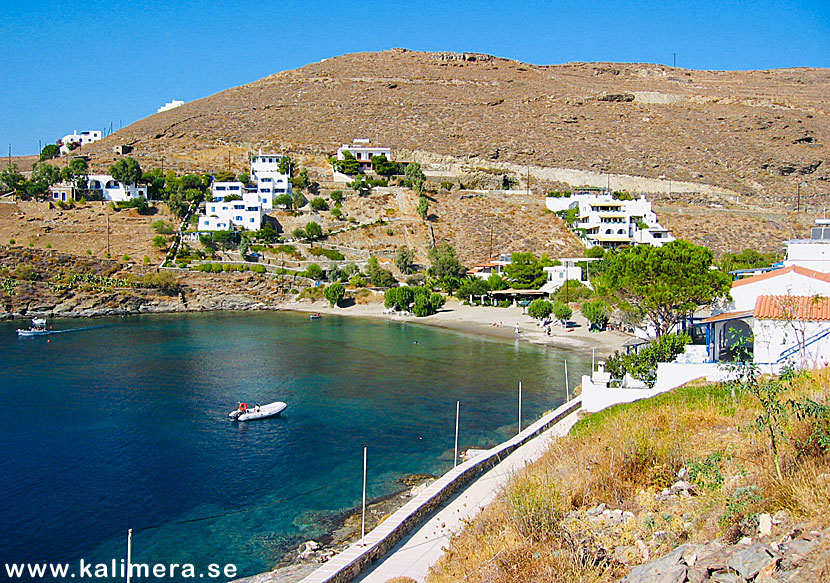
x,y
810,308
792,268
727,316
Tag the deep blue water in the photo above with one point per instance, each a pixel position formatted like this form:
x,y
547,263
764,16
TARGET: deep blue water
x,y
123,425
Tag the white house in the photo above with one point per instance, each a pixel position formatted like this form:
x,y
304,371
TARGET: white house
x,y
608,222
81,139
269,181
814,252
102,187
170,105
559,274
245,213
362,150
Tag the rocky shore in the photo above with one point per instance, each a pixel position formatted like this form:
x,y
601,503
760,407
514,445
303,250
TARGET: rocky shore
x,y
306,558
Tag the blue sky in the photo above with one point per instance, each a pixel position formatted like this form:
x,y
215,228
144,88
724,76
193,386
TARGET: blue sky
x,y
69,65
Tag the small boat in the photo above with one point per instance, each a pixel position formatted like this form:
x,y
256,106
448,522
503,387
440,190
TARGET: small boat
x,y
245,413
316,316
38,328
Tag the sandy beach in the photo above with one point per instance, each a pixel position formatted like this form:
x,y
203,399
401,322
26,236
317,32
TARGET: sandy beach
x,y
491,321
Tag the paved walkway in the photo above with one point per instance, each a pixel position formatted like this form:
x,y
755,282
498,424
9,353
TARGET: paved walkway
x,y
416,553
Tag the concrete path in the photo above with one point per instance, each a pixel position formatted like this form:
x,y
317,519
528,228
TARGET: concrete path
x,y
416,553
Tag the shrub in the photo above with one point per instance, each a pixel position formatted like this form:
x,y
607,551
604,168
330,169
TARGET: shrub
x,y
596,312
332,254
336,195
314,271
562,311
163,227
125,257
334,293
540,309
642,365
12,241
318,204
146,260
159,241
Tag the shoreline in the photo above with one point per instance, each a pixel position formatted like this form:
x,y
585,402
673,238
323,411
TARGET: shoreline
x,y
479,320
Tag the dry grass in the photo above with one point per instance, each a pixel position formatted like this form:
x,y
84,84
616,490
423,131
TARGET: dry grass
x,y
625,457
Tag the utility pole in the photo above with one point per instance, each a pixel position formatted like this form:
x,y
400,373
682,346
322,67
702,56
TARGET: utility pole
x,y
490,253
528,180
674,62
229,160
108,234
797,196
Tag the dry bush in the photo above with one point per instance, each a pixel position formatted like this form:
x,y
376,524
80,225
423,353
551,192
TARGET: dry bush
x,y
626,457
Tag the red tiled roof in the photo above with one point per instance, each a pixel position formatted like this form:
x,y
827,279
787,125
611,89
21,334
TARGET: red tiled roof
x,y
806,272
809,308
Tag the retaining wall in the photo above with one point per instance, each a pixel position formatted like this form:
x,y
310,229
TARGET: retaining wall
x,y
355,559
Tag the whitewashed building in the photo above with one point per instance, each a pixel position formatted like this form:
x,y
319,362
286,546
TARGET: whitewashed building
x,y
221,215
813,253
605,221
101,187
170,105
81,139
268,179
362,149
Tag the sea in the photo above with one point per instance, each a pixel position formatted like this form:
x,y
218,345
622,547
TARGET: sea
x,y
112,424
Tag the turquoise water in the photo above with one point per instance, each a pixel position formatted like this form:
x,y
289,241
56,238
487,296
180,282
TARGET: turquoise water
x,y
123,425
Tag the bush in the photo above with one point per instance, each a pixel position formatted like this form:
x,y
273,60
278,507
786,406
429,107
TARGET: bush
x,y
313,231
315,272
332,254
125,257
357,281
642,365
336,195
163,227
318,204
540,309
159,241
562,312
596,312
334,293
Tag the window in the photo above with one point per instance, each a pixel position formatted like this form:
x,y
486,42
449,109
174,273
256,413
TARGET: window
x,y
252,219
238,218
220,188
266,180
239,207
112,184
253,208
264,201
213,209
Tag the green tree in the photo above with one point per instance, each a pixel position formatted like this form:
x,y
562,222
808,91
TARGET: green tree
x,y
444,262
244,178
595,252
49,151
155,183
313,231
318,204
298,233
642,365
663,285
334,293
525,271
299,200
159,241
415,176
348,165
314,271
300,181
472,286
562,311
423,207
126,171
336,195
539,309
747,259
284,200
496,282
404,259
596,312
285,165
377,275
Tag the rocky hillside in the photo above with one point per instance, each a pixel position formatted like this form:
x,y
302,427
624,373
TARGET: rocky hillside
x,y
753,132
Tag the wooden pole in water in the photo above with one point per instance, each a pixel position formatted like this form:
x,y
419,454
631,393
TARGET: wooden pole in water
x,y
457,412
520,406
363,518
567,388
129,551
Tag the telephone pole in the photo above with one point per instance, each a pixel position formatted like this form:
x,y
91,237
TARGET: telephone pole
x,y
674,62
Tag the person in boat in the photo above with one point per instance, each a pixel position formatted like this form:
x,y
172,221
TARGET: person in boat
x,y
256,407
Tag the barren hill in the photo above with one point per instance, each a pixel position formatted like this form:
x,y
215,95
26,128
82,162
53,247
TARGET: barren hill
x,y
755,132
718,142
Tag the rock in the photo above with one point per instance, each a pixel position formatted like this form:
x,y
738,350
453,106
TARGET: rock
x,y
682,473
682,485
307,548
725,577
799,547
643,548
764,524
749,562
596,511
625,554
666,569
